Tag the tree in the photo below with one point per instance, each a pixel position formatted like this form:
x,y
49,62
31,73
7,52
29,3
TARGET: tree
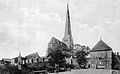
x,y
56,51
57,60
115,61
57,57
78,47
81,58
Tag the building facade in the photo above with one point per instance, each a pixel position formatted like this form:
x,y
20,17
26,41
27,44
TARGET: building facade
x,y
32,58
101,56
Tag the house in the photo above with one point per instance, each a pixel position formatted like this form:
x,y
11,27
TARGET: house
x,y
18,60
101,56
31,58
6,61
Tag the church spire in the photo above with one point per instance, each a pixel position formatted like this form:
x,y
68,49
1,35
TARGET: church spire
x,y
67,23
68,40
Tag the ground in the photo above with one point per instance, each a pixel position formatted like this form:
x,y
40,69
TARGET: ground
x,y
90,71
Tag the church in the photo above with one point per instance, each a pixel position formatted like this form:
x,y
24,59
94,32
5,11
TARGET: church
x,y
101,55
67,39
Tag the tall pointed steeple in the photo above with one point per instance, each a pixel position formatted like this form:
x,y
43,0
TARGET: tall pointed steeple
x,y
67,39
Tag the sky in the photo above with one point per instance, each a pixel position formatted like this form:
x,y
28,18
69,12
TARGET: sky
x,y
27,26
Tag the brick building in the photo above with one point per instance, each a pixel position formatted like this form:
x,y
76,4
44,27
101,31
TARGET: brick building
x,y
101,56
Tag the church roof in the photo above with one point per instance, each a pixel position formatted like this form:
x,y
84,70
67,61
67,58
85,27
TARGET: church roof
x,y
54,40
56,44
101,46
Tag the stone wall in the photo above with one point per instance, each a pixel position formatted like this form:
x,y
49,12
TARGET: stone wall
x,y
101,59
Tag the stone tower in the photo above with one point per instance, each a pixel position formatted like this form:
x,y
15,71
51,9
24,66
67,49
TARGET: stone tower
x,y
19,59
67,39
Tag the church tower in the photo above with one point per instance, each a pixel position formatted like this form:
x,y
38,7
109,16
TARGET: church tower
x,y
19,59
67,39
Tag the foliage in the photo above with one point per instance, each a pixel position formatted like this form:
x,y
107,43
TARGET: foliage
x,y
78,47
115,62
57,57
38,66
81,58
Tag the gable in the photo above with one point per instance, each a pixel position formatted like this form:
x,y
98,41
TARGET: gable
x,y
101,46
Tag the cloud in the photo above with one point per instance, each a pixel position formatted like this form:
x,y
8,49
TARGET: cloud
x,y
27,35
27,25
